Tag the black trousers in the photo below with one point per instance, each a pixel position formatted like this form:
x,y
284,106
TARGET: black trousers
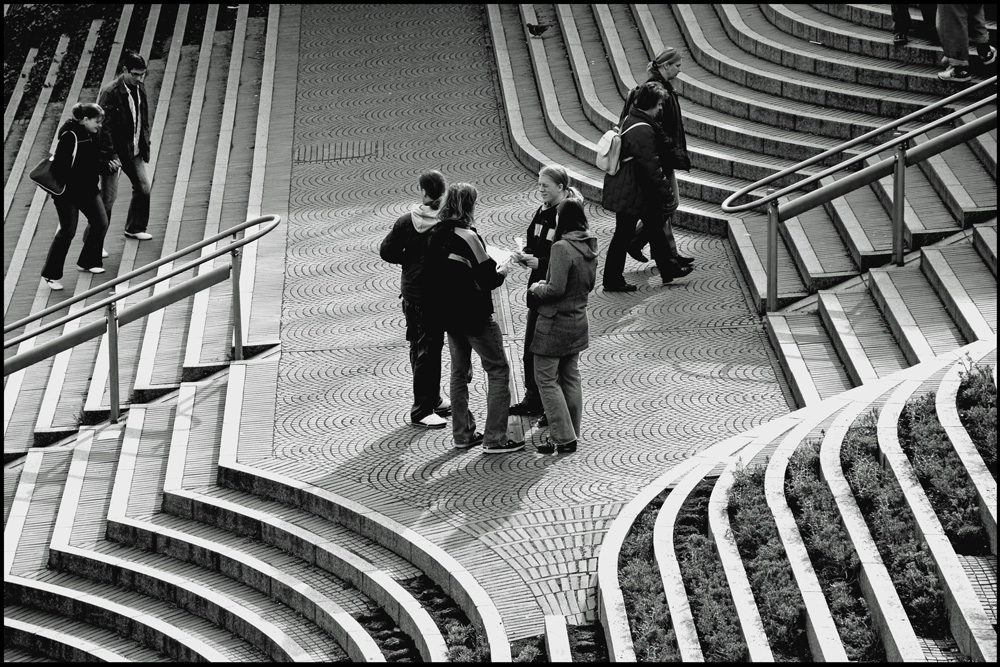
x,y
68,207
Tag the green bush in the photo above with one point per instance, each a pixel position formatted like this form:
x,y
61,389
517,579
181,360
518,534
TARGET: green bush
x,y
834,560
778,597
942,475
977,408
711,601
891,523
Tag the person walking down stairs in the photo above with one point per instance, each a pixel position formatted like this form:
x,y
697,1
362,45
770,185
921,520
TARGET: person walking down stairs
x,y
959,26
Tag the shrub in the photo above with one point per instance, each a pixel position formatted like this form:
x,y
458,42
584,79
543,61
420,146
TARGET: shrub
x,y
942,475
906,558
977,408
833,558
778,597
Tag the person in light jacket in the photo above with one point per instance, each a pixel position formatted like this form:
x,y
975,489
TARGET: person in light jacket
x,y
562,330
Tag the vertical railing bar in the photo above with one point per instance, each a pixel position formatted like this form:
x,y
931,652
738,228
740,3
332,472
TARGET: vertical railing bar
x,y
113,361
898,196
772,253
237,311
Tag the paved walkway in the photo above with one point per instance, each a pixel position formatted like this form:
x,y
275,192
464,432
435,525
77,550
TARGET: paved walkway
x,y
383,93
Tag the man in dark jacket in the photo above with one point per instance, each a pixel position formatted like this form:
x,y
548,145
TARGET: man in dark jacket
x,y
639,190
126,126
406,244
663,69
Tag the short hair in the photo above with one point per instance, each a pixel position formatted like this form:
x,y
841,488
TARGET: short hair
x,y
459,204
132,60
82,110
570,217
558,175
433,184
649,95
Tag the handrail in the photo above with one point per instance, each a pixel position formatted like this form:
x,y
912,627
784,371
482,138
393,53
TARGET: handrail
x,y
113,319
900,160
837,150
274,220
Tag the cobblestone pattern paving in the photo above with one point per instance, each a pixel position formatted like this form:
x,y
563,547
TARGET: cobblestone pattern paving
x,y
383,93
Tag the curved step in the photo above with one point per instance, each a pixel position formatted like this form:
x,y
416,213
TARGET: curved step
x,y
808,356
29,582
860,335
266,479
966,288
72,641
968,620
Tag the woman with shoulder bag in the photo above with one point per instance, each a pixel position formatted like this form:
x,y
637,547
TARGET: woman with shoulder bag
x,y
553,188
562,330
77,164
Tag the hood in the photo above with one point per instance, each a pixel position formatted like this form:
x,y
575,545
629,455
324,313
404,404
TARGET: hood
x,y
584,242
424,218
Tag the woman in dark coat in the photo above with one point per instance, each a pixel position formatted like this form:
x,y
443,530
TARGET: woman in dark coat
x,y
78,163
562,331
639,190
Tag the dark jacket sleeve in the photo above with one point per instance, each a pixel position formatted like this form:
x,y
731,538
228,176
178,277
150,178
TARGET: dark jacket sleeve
x,y
63,162
485,268
144,134
643,149
112,119
393,245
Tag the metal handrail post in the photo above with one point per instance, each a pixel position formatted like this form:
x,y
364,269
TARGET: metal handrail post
x,y
237,311
772,253
898,196
113,361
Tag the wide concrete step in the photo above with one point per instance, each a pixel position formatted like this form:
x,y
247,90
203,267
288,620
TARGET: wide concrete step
x,y
65,640
985,241
967,190
748,236
820,255
863,339
983,146
965,286
862,225
807,356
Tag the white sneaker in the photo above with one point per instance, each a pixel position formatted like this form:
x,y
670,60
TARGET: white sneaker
x,y
54,285
140,236
431,421
991,58
104,253
93,269
444,407
955,74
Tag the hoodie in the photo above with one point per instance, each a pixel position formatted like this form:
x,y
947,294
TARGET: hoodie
x,y
406,244
562,326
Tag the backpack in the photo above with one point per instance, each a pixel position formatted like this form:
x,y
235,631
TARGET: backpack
x,y
609,150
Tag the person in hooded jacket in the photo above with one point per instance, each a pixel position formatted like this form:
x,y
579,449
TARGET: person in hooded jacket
x,y
562,330
77,163
639,190
406,244
553,188
663,69
459,277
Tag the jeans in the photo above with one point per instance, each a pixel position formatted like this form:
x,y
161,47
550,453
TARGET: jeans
x,y
488,344
138,210
958,26
530,386
426,343
69,207
562,395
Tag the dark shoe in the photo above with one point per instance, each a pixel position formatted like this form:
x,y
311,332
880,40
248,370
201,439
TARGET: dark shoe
x,y
443,408
635,253
990,57
684,261
503,447
543,421
477,440
624,287
547,447
568,448
678,271
899,39
525,408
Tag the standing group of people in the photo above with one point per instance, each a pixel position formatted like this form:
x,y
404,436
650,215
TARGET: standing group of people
x,y
448,277
98,142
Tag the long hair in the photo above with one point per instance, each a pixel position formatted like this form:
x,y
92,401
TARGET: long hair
x,y
433,184
82,110
558,175
570,217
459,204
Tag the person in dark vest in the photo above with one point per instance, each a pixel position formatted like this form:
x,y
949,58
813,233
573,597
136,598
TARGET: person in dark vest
x,y
127,130
406,244
663,69
77,163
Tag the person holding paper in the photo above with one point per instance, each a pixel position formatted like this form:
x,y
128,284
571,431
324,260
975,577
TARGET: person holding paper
x,y
553,189
459,276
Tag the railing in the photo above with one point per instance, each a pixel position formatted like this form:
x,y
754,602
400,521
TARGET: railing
x,y
902,158
114,319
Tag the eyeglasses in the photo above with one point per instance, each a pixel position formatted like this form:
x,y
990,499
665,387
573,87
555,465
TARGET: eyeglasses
x,y
138,75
